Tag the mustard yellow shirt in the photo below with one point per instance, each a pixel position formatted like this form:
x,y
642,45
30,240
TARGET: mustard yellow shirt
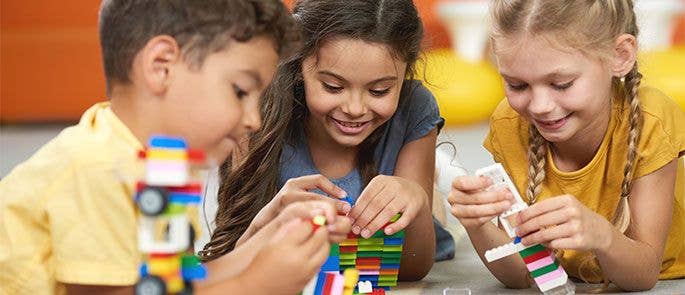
x,y
598,184
67,215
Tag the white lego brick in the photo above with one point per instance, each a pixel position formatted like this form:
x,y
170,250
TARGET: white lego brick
x,y
364,287
178,237
504,251
500,177
549,285
311,286
166,177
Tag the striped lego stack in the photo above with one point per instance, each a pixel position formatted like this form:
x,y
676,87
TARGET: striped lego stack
x,y
377,258
167,161
543,267
332,283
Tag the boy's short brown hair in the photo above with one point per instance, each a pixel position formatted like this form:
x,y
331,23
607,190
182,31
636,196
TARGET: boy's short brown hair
x,y
200,27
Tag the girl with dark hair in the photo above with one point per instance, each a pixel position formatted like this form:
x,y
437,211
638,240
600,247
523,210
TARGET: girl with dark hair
x,y
345,107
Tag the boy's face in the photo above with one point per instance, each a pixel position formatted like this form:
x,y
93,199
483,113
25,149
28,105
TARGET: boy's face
x,y
214,107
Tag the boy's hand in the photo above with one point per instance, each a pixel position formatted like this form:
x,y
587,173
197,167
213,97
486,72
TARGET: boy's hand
x,y
383,198
338,226
564,222
292,257
473,205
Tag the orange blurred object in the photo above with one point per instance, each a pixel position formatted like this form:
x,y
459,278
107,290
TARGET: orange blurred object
x,y
679,37
51,66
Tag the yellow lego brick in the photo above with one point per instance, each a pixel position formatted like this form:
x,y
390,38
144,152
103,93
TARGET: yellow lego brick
x,y
164,266
167,154
319,220
175,285
350,242
351,276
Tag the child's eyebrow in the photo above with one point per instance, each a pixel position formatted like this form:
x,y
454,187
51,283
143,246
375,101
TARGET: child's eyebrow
x,y
255,76
329,73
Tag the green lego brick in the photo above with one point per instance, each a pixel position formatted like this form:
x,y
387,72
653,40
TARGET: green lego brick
x,y
335,250
370,248
397,248
390,260
543,270
174,209
370,241
392,255
370,254
532,250
348,256
189,260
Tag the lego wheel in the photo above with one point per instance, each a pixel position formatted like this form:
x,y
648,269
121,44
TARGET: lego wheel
x,y
150,285
152,201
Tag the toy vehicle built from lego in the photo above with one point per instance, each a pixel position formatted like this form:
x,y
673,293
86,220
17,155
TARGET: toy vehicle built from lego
x,y
164,199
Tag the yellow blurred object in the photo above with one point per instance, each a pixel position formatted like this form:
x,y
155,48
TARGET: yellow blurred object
x,y
466,92
164,265
665,70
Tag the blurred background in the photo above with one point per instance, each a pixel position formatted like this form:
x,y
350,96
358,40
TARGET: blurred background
x,y
51,68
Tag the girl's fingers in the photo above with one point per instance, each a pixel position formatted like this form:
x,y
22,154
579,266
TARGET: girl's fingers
x,y
340,206
471,183
541,208
367,197
540,222
546,235
381,219
401,223
475,211
370,212
319,181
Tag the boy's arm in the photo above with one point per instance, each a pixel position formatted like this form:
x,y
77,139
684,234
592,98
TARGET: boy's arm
x,y
416,162
633,261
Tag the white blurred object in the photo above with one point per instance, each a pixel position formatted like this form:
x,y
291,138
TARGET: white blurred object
x,y
468,26
656,20
447,167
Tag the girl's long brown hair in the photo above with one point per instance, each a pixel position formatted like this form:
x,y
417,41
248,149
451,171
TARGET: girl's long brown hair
x,y
247,185
591,26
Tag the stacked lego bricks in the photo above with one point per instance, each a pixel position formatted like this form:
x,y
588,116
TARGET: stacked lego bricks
x,y
543,267
377,258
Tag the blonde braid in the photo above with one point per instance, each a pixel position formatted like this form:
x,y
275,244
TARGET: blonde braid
x,y
632,82
537,152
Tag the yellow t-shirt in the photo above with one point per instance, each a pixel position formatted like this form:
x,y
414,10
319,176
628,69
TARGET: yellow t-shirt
x,y
67,214
598,184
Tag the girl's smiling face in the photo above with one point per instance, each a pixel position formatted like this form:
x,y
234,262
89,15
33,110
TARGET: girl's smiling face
x,y
563,92
351,88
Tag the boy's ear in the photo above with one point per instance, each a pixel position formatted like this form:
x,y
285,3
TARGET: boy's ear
x,y
158,57
625,55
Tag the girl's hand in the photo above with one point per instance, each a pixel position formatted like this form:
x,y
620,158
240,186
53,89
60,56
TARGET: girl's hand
x,y
473,205
292,257
384,197
298,190
338,226
564,222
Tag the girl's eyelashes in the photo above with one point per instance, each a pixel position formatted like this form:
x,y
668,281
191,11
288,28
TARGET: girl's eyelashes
x,y
563,86
379,93
330,88
239,92
517,87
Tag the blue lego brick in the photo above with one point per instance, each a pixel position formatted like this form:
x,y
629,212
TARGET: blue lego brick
x,y
320,280
349,200
197,272
143,270
370,278
167,142
332,264
184,198
393,241
390,266
517,240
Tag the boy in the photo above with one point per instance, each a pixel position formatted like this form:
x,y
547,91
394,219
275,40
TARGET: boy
x,y
186,68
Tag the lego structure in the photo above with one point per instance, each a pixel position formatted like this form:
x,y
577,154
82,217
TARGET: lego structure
x,y
166,196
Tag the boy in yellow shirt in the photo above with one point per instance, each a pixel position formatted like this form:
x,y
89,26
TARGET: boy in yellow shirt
x,y
193,69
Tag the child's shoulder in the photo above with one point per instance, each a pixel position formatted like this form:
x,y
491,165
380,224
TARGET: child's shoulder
x,y
504,114
656,103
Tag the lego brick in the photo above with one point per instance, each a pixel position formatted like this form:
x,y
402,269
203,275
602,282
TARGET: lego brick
x,y
348,249
311,285
390,261
503,251
183,198
179,155
556,282
335,250
376,272
361,248
391,248
393,241
167,142
531,250
190,260
370,254
396,217
370,241
320,280
396,255
332,263
540,263
328,283
364,287
537,256
544,270
394,272
196,272
390,266
338,285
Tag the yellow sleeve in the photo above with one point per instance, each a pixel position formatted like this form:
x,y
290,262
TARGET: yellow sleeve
x,y
93,228
663,132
